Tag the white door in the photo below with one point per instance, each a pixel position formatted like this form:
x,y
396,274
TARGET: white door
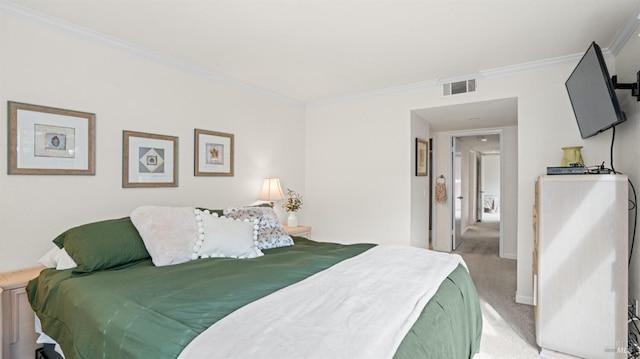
x,y
456,194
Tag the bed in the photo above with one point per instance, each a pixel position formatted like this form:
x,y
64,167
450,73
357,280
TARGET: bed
x,y
132,307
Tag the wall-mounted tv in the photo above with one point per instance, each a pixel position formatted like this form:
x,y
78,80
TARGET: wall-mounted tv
x,y
592,94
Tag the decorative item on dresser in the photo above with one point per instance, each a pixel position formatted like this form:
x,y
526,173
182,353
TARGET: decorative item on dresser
x,y
580,266
17,333
572,156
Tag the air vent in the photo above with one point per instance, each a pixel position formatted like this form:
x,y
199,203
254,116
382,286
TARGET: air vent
x,y
458,87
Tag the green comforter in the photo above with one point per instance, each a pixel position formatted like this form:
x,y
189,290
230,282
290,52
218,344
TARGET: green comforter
x,y
144,311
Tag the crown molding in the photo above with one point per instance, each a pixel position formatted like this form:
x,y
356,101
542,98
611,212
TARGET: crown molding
x,y
36,16
530,66
625,33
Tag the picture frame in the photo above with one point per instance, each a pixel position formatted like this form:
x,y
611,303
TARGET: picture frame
x,y
422,157
149,160
50,141
214,153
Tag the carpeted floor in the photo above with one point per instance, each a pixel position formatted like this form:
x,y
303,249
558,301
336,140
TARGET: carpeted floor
x,y
508,330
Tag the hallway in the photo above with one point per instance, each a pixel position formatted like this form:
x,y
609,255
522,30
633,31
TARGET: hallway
x,y
508,330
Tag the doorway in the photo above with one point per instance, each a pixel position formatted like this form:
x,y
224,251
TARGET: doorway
x,y
476,174
472,119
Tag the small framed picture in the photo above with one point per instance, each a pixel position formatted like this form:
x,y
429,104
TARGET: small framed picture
x,y
149,160
422,157
213,153
50,141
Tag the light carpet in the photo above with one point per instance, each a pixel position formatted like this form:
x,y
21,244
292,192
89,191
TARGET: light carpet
x,y
508,330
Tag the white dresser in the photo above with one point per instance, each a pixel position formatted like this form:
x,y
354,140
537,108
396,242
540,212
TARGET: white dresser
x,y
580,265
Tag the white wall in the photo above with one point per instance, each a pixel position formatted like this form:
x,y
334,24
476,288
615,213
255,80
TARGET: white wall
x,y
491,175
420,191
43,65
358,172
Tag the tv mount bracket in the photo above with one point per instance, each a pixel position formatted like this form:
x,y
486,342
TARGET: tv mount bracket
x,y
634,87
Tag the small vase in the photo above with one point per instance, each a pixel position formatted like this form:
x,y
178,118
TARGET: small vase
x,y
292,220
571,155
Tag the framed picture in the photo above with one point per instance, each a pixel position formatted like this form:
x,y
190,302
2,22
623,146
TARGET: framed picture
x,y
50,141
422,157
213,153
149,160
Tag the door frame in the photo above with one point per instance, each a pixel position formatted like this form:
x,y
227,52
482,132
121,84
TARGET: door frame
x,y
466,133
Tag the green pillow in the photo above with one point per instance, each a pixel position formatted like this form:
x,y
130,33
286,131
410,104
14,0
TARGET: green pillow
x,y
103,245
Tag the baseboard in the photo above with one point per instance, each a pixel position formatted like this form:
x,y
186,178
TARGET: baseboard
x,y
509,256
524,299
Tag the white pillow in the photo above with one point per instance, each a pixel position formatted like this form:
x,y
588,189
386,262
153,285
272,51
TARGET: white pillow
x,y
49,259
225,237
168,233
57,258
64,260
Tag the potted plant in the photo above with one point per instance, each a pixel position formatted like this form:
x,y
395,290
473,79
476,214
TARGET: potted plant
x,y
292,205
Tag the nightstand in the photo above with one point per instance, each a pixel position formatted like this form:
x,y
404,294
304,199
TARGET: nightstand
x,y
17,333
299,231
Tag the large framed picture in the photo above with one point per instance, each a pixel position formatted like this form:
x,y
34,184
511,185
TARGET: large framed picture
x,y
50,141
213,153
149,160
422,157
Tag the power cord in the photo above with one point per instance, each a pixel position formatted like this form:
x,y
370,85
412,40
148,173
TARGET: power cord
x,y
613,139
633,345
634,206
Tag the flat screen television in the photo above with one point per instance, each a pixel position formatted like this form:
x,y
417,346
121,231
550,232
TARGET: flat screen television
x,y
592,94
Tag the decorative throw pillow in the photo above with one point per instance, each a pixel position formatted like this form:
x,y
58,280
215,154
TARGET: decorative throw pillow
x,y
103,245
271,234
225,237
169,233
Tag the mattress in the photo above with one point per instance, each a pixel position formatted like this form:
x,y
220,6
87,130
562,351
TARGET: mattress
x,y
143,311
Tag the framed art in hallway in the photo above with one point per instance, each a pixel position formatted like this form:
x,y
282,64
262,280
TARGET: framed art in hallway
x,y
213,153
422,157
50,141
149,160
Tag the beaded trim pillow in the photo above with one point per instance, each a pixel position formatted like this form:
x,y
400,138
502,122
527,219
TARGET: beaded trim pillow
x,y
225,237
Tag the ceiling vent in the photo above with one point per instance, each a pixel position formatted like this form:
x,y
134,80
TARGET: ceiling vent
x,y
458,87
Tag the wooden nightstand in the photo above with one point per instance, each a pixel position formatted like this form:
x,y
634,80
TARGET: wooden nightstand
x,y
299,231
17,333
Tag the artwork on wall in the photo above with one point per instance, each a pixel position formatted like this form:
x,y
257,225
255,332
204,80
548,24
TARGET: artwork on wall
x,y
50,141
422,157
149,160
213,153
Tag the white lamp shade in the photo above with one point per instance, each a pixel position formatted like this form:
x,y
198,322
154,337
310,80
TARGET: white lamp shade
x,y
271,190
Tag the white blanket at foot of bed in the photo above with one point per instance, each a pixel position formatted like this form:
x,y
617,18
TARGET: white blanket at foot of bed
x,y
359,308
